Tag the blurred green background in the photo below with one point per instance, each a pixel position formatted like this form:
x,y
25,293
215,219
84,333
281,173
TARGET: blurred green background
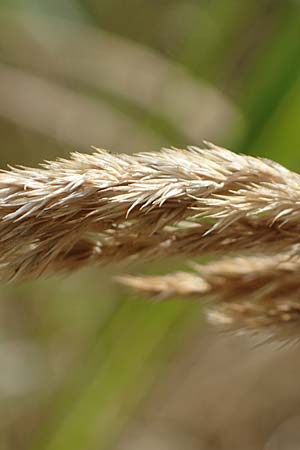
x,y
77,356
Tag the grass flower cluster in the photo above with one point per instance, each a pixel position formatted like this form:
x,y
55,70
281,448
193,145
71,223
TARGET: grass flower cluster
x,y
242,211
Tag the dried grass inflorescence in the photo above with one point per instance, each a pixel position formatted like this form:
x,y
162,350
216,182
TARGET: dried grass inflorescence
x,y
103,208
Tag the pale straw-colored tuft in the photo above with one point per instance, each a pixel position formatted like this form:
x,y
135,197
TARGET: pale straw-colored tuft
x,y
250,293
104,208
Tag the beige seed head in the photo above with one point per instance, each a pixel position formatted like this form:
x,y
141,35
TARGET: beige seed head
x,y
103,208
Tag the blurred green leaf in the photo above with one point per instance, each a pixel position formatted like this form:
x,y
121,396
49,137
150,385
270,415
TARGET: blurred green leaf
x,y
123,363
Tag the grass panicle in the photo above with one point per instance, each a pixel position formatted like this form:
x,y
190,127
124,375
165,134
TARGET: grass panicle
x,y
107,208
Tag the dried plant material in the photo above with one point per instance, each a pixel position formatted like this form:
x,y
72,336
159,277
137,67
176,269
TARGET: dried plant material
x,y
243,292
103,208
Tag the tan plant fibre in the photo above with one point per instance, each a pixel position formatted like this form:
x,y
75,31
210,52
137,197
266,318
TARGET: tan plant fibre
x,y
102,208
244,292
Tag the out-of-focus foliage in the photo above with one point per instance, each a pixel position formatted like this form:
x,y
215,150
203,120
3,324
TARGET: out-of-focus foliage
x,y
77,356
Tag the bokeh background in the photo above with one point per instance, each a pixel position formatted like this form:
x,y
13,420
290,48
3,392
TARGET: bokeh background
x,y
83,366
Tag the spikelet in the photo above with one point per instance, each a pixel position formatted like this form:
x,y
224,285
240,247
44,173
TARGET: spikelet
x,y
248,293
